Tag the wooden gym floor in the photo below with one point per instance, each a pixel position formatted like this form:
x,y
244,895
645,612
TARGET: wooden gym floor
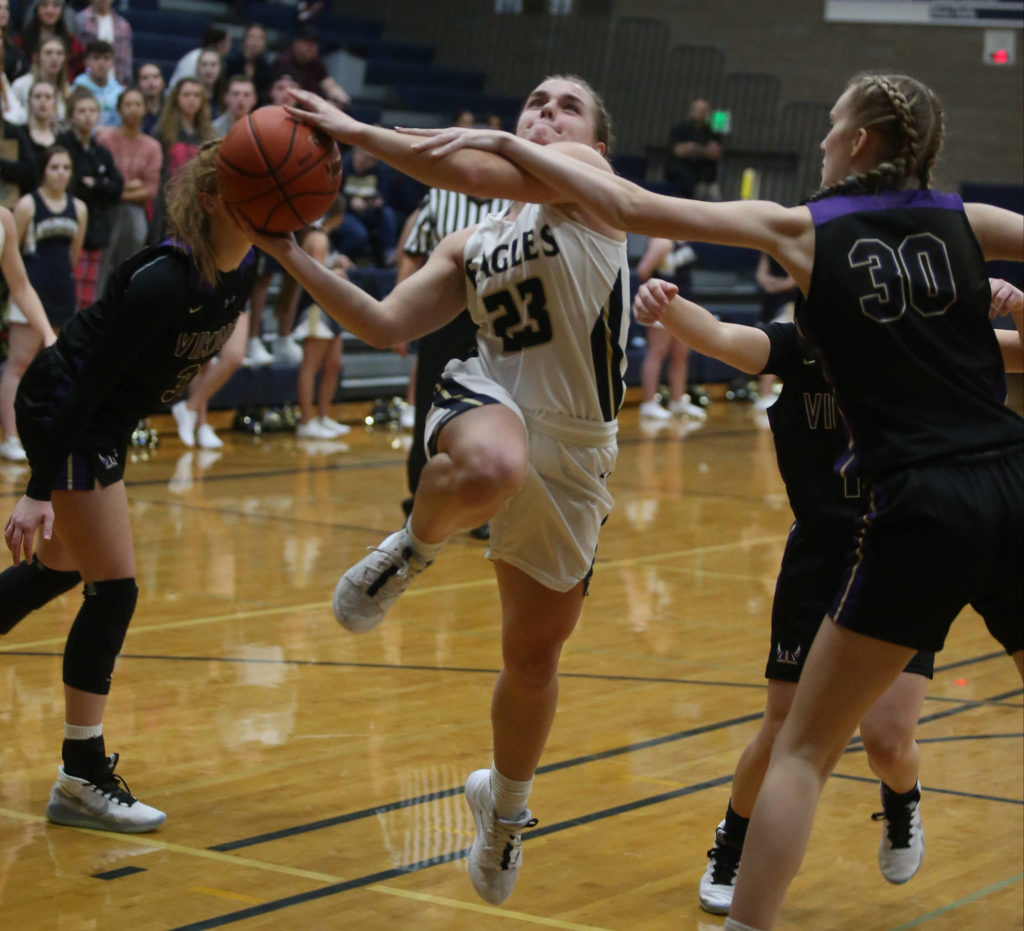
x,y
312,778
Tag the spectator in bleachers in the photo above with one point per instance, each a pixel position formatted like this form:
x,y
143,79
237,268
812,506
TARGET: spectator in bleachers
x,y
302,59
99,21
215,37
251,60
286,351
12,108
369,228
465,117
494,122
47,18
51,230
98,78
151,84
50,64
239,101
210,73
321,337
139,158
42,127
15,62
670,260
20,170
184,125
97,182
694,153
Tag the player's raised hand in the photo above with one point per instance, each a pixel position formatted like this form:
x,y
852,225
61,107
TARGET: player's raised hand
x,y
1006,299
651,300
440,142
315,111
27,517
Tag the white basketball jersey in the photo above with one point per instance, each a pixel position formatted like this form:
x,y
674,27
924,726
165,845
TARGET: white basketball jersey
x,y
551,299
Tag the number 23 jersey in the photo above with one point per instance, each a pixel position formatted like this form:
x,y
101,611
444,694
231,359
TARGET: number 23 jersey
x,y
550,297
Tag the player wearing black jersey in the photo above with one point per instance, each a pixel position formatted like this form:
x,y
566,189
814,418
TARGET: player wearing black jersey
x,y
808,440
897,299
163,314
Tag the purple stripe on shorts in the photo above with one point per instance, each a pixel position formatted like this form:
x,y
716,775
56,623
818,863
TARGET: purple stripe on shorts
x,y
853,577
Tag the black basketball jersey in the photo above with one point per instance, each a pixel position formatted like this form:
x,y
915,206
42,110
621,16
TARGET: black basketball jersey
x,y
135,349
897,311
809,437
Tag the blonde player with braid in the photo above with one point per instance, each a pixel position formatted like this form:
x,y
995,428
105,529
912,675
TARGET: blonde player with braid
x,y
896,309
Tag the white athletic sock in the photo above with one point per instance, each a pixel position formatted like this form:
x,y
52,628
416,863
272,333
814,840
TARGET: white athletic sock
x,y
82,731
731,924
509,795
428,551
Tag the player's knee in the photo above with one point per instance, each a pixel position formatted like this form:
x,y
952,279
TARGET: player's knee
x,y
98,633
885,747
534,670
490,476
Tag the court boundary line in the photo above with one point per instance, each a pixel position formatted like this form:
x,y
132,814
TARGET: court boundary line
x,y
958,903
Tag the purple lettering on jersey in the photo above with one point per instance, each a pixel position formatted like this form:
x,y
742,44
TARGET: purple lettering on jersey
x,y
832,207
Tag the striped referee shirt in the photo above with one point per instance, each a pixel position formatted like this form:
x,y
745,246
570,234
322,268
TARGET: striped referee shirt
x,y
444,212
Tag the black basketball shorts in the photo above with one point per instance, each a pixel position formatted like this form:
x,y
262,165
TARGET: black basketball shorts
x,y
934,539
811,571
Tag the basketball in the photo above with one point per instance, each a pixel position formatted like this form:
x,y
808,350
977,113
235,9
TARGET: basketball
x,y
276,171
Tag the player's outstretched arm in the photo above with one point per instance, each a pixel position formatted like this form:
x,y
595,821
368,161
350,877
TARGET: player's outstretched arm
x,y
1000,232
1007,299
473,172
623,205
743,347
419,305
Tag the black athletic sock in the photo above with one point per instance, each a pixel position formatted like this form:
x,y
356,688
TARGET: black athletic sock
x,y
27,586
892,799
735,828
86,759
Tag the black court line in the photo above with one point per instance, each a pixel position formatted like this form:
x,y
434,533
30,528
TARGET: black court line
x,y
398,667
933,790
337,888
456,790
117,874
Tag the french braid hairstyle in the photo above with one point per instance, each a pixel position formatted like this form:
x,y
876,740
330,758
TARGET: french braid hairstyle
x,y
908,118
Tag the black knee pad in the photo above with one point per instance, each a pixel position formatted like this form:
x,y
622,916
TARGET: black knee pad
x,y
97,634
30,585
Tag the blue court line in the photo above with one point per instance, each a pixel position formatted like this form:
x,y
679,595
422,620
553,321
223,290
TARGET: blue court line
x,y
457,790
966,900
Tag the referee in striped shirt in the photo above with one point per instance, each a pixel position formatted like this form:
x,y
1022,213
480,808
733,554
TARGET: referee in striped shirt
x,y
440,213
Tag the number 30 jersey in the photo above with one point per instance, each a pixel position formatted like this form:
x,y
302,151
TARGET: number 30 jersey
x,y
551,300
897,312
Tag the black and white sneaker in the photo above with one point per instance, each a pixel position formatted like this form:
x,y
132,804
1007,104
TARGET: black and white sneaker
x,y
901,849
364,594
719,880
106,804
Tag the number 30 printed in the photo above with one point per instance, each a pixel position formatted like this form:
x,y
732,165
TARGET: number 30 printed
x,y
918,273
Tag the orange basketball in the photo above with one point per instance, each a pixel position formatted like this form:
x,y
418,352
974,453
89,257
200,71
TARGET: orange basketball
x,y
279,173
